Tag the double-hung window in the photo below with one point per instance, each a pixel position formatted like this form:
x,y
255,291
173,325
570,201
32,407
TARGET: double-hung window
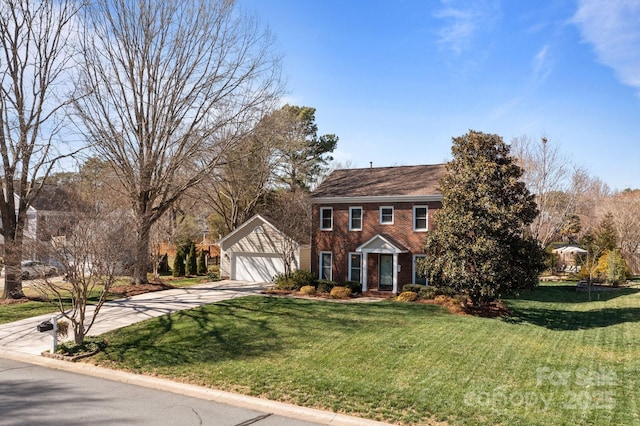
x,y
326,218
355,218
355,267
417,277
386,215
420,214
325,265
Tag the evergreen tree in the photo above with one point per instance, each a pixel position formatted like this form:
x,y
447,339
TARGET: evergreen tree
x,y
178,264
606,237
191,266
479,246
202,263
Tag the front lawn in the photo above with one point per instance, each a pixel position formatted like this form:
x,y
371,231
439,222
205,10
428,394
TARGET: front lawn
x,y
559,359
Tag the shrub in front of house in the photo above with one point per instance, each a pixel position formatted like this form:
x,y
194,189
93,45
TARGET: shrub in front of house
x,y
301,278
325,286
282,282
407,296
308,290
428,292
355,286
339,292
294,281
413,287
445,291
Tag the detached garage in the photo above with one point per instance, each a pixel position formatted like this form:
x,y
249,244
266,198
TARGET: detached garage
x,y
257,251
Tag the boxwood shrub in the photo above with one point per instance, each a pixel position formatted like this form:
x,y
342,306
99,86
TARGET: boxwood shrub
x,y
355,286
413,287
339,292
308,290
325,286
407,296
428,292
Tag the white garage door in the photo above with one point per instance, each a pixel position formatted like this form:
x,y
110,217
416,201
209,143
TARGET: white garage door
x,y
257,267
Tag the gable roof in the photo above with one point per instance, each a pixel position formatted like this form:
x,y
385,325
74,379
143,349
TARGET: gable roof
x,y
381,243
256,221
401,182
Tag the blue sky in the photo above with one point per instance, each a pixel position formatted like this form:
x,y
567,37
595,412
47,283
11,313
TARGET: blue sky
x,y
396,80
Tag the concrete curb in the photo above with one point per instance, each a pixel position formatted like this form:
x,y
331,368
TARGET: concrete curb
x,y
238,400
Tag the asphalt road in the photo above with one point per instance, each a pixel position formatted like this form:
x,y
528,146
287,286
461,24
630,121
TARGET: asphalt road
x,y
33,395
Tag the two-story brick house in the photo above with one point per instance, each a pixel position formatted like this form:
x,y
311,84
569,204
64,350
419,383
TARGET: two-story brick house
x,y
369,225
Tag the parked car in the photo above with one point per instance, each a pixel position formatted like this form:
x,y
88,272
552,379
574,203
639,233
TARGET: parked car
x,y
35,269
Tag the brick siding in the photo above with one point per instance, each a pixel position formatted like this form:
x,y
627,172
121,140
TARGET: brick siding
x,y
340,241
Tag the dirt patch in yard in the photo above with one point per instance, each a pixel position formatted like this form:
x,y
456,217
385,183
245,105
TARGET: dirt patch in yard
x,y
15,301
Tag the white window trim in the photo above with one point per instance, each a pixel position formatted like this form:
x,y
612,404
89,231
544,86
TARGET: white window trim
x,y
350,265
413,267
351,209
322,253
426,228
393,215
322,209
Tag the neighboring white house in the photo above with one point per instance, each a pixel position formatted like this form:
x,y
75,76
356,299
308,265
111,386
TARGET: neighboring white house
x,y
257,251
31,226
46,217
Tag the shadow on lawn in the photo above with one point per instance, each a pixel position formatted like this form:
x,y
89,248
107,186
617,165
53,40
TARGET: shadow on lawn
x,y
569,294
191,336
254,326
555,319
551,307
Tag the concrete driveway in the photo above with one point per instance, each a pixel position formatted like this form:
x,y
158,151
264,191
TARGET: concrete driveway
x,y
22,336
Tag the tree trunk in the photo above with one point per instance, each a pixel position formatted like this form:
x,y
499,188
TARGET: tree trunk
x,y
13,271
78,333
142,254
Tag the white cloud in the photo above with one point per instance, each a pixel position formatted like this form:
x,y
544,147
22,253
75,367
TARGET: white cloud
x,y
464,19
613,28
541,65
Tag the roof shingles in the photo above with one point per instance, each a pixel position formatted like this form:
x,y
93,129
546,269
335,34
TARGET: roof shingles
x,y
382,181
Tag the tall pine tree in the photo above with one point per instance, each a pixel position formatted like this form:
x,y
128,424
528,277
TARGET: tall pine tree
x,y
480,246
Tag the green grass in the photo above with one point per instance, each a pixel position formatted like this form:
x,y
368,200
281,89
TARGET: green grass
x,y
18,311
559,359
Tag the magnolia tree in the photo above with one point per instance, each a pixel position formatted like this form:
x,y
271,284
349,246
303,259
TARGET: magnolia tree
x,y
480,245
92,255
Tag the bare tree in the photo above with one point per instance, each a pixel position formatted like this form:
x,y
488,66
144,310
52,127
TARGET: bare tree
x,y
173,85
236,190
34,82
291,212
625,210
283,151
556,184
93,256
591,205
